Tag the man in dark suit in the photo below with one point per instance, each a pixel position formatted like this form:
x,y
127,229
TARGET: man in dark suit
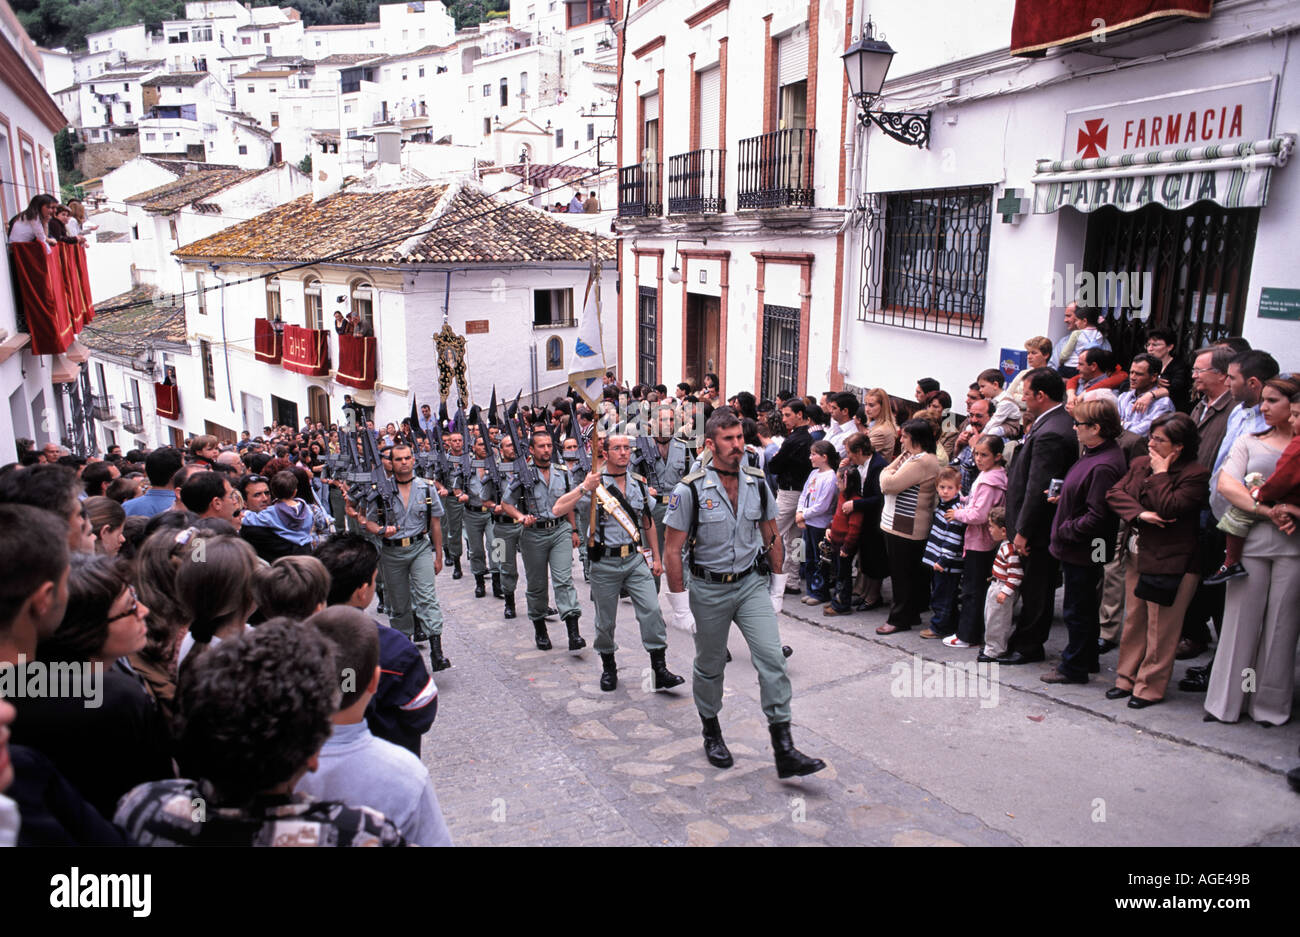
x,y
1048,451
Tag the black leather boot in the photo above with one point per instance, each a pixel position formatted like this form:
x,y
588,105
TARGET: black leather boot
x,y
609,673
576,641
715,749
664,678
480,588
435,653
455,567
790,762
496,587
510,606
539,626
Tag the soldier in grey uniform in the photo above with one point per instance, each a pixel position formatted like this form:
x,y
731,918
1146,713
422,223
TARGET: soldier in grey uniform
x,y
478,523
411,554
726,514
454,498
505,537
617,563
664,472
582,512
547,541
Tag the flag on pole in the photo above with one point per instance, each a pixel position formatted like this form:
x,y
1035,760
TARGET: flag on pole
x,y
587,364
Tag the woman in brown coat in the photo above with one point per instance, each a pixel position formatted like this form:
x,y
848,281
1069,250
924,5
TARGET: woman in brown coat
x,y
1161,497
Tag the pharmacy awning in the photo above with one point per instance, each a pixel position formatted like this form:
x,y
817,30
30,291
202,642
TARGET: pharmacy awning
x,y
1232,175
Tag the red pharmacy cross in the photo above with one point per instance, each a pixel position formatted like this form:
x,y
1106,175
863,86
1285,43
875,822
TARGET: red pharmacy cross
x,y
1093,138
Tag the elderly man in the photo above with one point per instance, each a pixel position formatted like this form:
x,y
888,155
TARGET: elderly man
x,y
52,452
233,461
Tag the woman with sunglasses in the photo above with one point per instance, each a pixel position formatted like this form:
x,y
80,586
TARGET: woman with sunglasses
x,y
102,729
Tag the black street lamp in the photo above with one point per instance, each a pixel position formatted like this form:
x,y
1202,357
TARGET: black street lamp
x,y
867,62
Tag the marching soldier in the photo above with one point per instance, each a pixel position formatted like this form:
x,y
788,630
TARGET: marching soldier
x,y
725,514
455,498
582,510
505,538
547,540
664,472
623,525
411,554
478,523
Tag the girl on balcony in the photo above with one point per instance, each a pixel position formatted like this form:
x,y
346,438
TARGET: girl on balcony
x,y
33,224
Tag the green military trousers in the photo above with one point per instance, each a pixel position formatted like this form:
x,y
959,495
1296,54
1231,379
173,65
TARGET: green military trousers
x,y
505,553
478,531
453,522
554,548
609,576
408,581
583,514
748,602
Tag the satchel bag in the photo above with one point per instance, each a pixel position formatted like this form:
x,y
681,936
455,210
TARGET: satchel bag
x,y
1157,587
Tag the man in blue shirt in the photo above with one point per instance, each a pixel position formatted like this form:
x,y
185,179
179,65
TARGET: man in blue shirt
x,y
160,465
1246,376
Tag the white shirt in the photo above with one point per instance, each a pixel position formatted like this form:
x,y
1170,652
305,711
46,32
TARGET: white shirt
x,y
839,433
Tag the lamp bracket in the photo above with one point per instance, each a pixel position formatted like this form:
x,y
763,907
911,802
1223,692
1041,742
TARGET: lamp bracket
x,y
910,127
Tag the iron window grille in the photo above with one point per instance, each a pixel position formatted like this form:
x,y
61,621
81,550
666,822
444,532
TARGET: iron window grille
x,y
925,259
1188,271
696,183
776,170
639,191
780,350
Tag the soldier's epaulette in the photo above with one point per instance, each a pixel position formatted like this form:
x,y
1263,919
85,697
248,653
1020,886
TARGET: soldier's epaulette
x,y
693,477
751,470
640,478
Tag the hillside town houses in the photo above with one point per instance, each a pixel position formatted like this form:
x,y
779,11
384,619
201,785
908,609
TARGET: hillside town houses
x,y
766,219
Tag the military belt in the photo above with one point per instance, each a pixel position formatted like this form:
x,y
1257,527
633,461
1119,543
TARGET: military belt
x,y
699,572
405,541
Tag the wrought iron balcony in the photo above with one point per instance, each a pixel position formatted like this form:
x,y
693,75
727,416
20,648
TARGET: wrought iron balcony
x,y
101,405
640,191
132,418
776,170
697,183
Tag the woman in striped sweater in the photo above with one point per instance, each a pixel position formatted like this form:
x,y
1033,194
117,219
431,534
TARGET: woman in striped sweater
x,y
908,484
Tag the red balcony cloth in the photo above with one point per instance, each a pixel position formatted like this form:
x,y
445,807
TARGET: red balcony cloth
x,y
38,282
357,358
76,284
1040,24
167,401
306,351
268,344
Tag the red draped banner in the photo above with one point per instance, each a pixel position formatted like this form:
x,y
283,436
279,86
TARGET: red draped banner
x,y
167,400
268,344
76,284
357,358
1040,24
306,351
38,285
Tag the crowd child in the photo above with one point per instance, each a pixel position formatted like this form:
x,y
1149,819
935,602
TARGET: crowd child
x,y
406,701
1000,600
813,516
943,554
1005,420
215,590
846,526
356,767
253,715
106,518
987,492
294,587
289,517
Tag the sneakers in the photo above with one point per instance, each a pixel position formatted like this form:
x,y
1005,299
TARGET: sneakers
x,y
1224,573
810,600
953,641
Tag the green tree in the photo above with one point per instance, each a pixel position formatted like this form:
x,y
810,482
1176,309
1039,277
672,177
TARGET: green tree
x,y
304,164
63,151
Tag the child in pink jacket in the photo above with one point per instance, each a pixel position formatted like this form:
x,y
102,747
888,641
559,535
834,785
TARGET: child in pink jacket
x,y
988,491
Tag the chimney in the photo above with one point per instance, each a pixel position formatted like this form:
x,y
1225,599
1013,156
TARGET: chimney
x,y
326,175
389,143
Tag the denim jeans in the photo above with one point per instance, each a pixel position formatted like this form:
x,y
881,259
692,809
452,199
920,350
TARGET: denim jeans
x,y
814,576
944,589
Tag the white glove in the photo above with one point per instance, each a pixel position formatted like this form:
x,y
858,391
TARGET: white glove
x,y
778,591
681,606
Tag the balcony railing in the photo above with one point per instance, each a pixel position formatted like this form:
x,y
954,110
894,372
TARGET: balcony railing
x,y
696,183
102,407
776,170
132,418
639,191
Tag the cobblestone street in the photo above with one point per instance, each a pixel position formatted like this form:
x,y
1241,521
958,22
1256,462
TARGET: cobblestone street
x,y
527,750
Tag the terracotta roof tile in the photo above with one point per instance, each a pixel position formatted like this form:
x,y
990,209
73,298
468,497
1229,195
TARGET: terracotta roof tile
x,y
189,188
386,228
128,323
182,80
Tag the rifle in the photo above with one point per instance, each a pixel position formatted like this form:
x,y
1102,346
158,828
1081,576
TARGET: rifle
x,y
524,472
443,471
465,455
490,459
423,460
382,488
